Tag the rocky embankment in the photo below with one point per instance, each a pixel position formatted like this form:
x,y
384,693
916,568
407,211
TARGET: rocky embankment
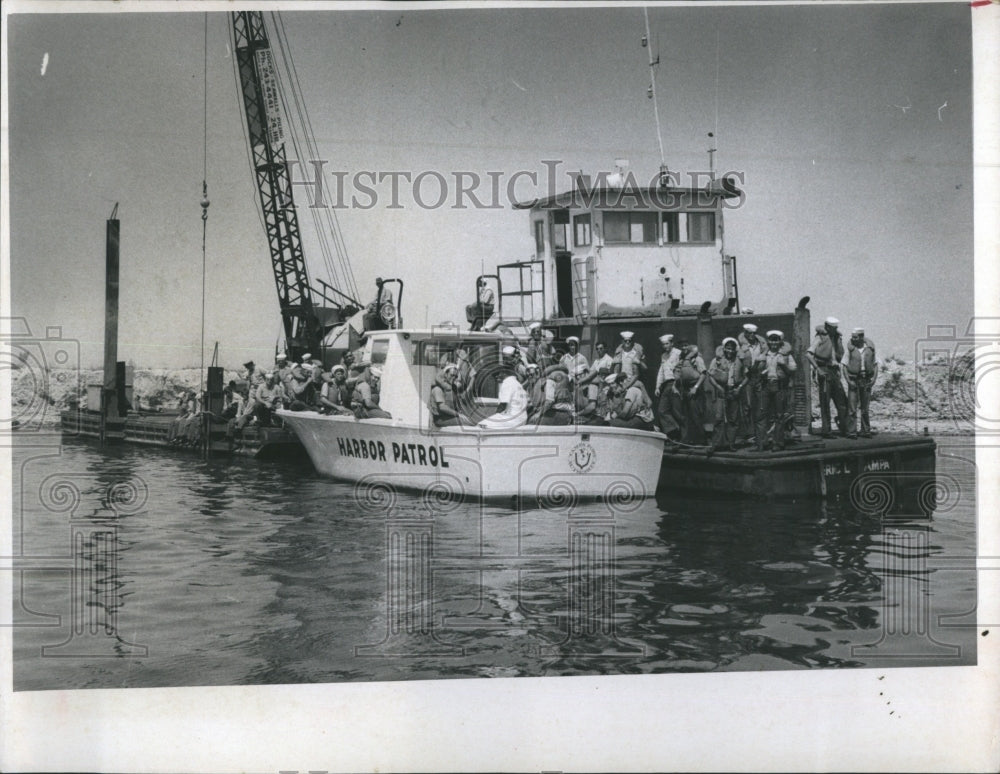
x,y
938,395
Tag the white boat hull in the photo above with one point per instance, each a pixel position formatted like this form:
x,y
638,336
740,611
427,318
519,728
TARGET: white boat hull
x,y
548,464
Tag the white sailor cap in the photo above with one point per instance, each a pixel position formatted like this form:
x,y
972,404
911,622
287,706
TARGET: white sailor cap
x,y
627,335
533,367
729,339
307,357
269,374
611,378
281,356
858,332
667,338
534,326
775,334
574,339
376,371
450,367
833,322
749,327
508,350
336,368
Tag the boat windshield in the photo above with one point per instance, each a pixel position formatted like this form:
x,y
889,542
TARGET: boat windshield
x,y
438,353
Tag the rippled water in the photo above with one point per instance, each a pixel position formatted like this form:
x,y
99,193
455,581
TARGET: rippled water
x,y
144,568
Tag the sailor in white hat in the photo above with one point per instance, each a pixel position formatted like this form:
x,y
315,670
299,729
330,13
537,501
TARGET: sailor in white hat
x,y
539,347
860,368
630,359
776,372
667,406
334,394
573,357
824,355
367,396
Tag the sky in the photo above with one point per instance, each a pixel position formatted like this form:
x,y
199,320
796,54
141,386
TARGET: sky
x,y
851,126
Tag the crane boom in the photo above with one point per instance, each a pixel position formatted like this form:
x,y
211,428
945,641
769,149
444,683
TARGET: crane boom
x,y
302,326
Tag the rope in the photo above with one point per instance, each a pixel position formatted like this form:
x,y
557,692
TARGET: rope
x,y
652,85
204,204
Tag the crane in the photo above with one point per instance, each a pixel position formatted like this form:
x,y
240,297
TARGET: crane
x,y
305,322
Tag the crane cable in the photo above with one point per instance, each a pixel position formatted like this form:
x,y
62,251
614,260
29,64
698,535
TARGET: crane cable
x,y
204,206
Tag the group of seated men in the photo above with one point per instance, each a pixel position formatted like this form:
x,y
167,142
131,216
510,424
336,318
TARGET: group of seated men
x,y
304,386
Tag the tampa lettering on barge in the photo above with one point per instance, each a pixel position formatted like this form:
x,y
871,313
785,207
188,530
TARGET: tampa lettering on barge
x,y
404,453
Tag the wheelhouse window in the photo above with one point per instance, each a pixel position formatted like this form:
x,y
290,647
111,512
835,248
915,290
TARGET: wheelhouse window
x,y
581,230
630,227
671,227
701,227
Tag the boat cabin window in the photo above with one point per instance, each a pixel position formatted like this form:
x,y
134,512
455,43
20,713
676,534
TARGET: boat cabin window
x,y
581,230
539,237
630,227
437,353
671,227
701,227
380,348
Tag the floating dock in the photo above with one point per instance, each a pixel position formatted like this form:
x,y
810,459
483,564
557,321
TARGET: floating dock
x,y
154,429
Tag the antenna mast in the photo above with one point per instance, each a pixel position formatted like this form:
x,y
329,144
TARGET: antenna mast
x,y
652,95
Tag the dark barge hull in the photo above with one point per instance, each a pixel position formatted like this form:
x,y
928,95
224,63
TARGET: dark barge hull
x,y
153,429
887,474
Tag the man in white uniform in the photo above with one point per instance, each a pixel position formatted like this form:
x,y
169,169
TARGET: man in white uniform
x,y
512,410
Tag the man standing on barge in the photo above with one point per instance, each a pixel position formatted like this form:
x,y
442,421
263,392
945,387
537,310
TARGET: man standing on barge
x,y
860,369
825,355
667,408
775,371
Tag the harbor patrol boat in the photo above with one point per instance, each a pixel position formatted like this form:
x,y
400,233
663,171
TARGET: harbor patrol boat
x,y
534,463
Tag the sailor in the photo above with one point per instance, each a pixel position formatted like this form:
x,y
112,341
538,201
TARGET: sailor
x,y
539,350
232,400
573,357
635,410
365,399
775,371
264,400
249,366
824,355
728,377
668,405
512,408
557,400
299,388
603,363
608,400
334,396
630,359
443,402
751,348
534,386
481,311
689,376
860,369
585,392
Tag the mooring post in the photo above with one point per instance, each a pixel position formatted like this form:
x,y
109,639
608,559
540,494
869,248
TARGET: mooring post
x,y
211,407
112,392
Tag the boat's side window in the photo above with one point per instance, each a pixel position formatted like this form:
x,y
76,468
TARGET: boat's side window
x,y
630,227
539,237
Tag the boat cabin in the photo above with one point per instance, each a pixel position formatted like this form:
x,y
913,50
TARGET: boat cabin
x,y
616,250
410,361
